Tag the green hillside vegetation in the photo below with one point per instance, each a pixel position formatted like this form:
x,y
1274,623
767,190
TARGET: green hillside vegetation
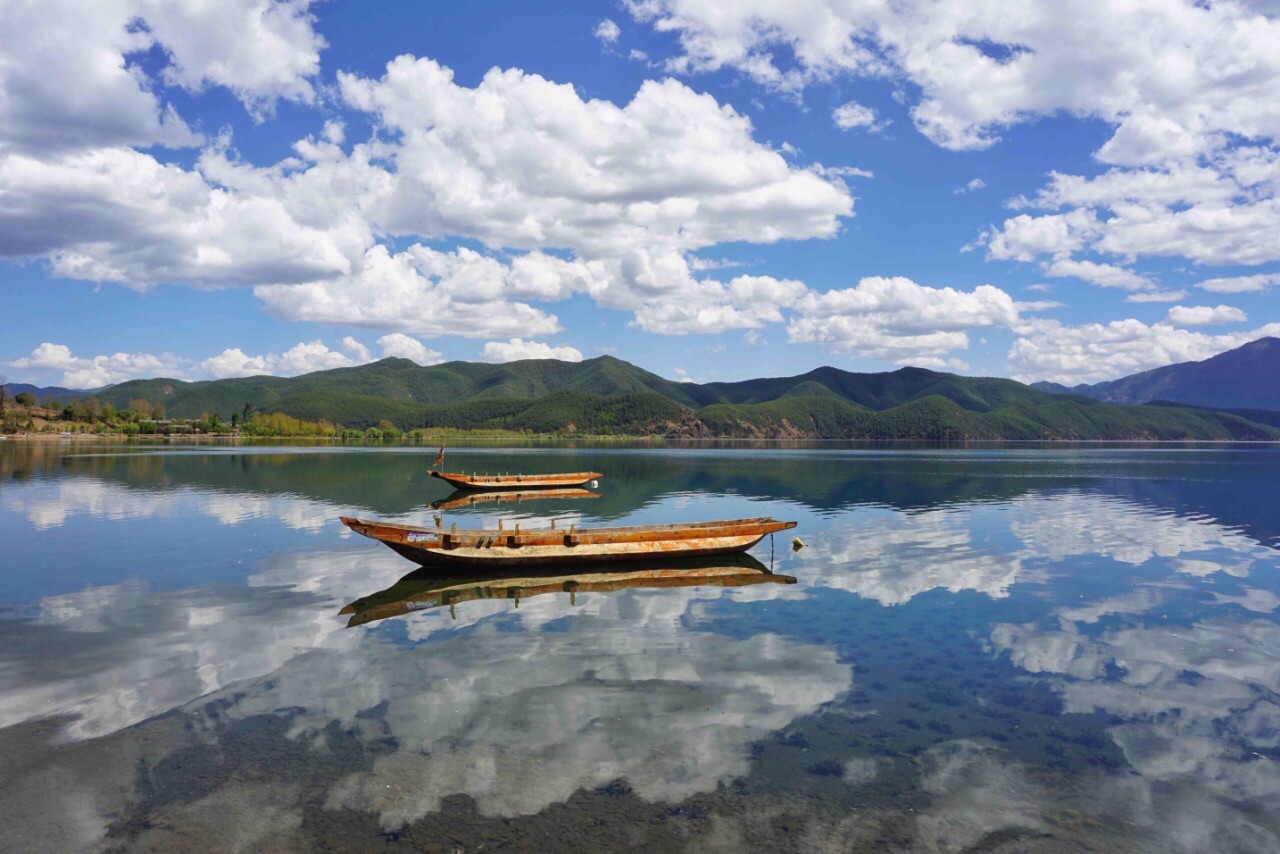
x,y
607,396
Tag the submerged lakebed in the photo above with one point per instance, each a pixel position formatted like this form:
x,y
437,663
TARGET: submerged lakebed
x,y
1001,649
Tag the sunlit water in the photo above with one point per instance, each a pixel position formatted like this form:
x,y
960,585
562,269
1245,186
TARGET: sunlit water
x,y
1026,649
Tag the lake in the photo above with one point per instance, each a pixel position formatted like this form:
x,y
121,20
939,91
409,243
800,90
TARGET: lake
x,y
991,649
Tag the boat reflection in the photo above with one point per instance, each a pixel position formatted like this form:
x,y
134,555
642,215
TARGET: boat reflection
x,y
465,498
424,589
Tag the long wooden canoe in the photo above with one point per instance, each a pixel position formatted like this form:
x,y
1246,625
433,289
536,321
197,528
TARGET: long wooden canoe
x,y
423,590
466,498
506,548
490,482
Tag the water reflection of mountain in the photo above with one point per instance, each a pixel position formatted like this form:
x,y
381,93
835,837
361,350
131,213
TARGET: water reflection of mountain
x,y
1228,486
1247,501
397,482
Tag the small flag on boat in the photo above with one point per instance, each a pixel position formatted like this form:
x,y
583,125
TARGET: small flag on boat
x,y
439,458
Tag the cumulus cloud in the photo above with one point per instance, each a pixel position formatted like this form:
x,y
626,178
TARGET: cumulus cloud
x,y
1105,275
607,31
1221,208
429,292
119,215
896,318
974,184
634,188
1049,350
1204,315
1166,74
57,360
1241,284
672,167
71,83
566,195
854,115
1179,84
1025,238
745,302
96,371
301,359
402,346
517,349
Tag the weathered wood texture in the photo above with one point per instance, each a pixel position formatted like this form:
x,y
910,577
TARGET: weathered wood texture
x,y
489,482
452,546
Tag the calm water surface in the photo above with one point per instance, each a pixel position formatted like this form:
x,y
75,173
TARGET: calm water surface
x,y
991,650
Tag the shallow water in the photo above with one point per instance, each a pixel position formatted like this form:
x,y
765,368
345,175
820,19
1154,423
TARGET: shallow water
x,y
1018,649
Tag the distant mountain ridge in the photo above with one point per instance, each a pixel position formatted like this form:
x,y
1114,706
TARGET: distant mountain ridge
x,y
1247,377
609,396
404,381
46,392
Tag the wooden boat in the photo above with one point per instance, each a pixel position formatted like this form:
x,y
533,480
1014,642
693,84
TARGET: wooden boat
x,y
423,590
465,498
489,482
490,548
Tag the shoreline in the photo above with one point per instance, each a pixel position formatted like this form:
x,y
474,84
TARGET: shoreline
x,y
429,441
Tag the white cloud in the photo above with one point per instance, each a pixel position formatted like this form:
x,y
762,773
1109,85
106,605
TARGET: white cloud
x,y
975,184
119,215
1170,76
402,346
262,50
517,349
87,373
70,80
1156,296
1025,238
1049,350
632,187
433,293
1104,275
1241,284
745,302
607,31
898,319
1186,88
854,115
1037,305
1222,208
591,197
57,360
300,359
1203,315
1041,288
522,162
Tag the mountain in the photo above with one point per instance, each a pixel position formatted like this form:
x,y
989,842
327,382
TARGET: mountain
x,y
609,396
1247,377
403,380
46,392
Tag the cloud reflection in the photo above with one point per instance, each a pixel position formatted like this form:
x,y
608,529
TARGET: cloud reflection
x,y
891,557
53,503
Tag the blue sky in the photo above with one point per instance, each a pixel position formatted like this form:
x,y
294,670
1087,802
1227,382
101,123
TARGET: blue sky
x,y
1068,191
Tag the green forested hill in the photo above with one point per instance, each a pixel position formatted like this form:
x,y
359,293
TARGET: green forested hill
x,y
403,380
610,396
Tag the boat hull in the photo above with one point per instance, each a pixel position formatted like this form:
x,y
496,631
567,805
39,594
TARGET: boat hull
x,y
480,549
494,483
475,558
